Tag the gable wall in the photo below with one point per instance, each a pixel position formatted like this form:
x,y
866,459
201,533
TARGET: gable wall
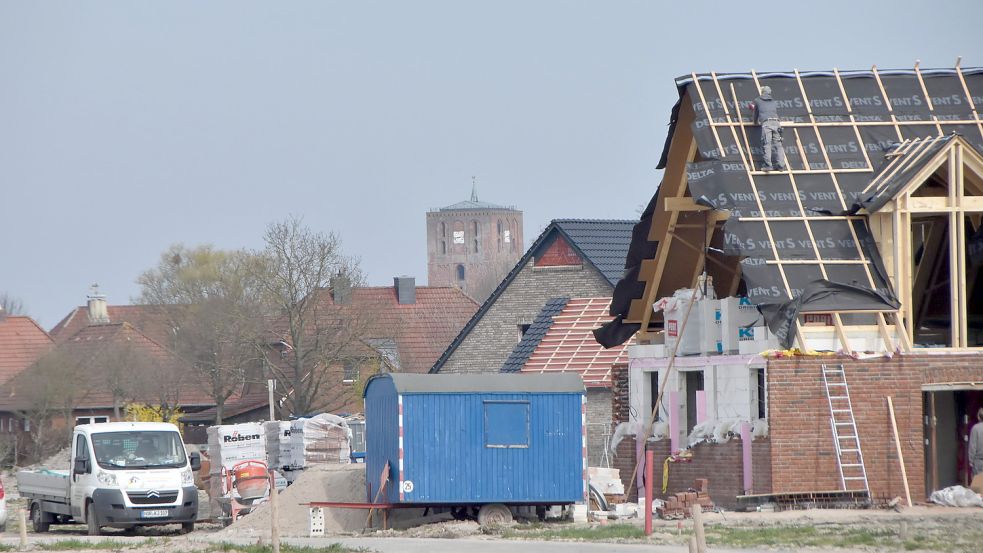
x,y
491,341
803,455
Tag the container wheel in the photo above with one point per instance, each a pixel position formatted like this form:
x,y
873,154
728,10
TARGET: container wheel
x,y
494,514
38,521
459,513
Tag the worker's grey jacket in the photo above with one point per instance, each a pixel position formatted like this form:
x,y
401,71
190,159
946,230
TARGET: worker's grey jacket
x,y
764,109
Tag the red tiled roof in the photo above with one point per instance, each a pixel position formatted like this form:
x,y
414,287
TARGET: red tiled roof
x,y
152,321
569,344
422,330
84,350
22,341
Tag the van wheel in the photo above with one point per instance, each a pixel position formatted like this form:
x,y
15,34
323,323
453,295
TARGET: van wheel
x,y
38,521
91,520
494,514
187,527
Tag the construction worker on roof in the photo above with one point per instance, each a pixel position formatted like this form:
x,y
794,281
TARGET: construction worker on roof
x,y
765,113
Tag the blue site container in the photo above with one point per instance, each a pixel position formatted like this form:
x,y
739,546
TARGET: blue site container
x,y
479,439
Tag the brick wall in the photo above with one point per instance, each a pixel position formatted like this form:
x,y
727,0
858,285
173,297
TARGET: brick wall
x,y
492,339
801,440
721,464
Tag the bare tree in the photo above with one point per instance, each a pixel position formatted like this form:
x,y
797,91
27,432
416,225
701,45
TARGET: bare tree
x,y
212,300
119,364
46,391
11,305
311,283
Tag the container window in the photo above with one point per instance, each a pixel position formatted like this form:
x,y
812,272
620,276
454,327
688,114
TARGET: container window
x,y
506,424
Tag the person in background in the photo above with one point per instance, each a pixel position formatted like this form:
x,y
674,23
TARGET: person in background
x,y
976,444
765,113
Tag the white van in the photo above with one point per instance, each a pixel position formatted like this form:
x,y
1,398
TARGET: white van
x,y
122,475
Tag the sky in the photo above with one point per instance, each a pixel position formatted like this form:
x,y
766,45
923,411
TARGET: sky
x,y
126,127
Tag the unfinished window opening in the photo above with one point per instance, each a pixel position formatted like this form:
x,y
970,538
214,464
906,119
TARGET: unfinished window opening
x,y
974,279
654,395
523,328
694,384
762,393
931,299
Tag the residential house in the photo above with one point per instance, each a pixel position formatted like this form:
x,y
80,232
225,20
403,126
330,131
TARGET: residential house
x,y
561,340
22,342
865,247
571,258
401,328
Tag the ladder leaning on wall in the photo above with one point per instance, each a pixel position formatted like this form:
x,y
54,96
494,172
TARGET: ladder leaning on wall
x,y
846,438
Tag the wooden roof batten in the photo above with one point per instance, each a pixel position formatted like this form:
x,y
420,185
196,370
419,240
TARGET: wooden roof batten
x,y
956,155
674,200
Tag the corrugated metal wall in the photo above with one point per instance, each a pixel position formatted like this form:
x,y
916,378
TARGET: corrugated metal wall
x,y
381,437
446,459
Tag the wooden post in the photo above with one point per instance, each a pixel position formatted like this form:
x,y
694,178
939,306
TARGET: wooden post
x,y
274,512
897,443
270,386
701,538
22,526
649,476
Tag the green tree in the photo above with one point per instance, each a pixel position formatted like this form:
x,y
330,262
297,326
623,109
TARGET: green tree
x,y
212,300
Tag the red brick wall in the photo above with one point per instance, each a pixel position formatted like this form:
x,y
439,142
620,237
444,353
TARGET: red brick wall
x,y
803,457
721,464
624,457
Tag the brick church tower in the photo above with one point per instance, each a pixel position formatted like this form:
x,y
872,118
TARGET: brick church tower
x,y
472,245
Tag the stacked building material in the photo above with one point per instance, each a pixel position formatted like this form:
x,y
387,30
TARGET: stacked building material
x,y
228,445
681,504
277,443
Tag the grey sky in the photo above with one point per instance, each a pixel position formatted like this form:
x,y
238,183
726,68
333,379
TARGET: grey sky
x,y
128,126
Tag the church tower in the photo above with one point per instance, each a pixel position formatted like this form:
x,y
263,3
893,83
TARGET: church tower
x,y
473,244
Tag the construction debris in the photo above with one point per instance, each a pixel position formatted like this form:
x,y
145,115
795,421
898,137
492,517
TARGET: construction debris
x,y
680,505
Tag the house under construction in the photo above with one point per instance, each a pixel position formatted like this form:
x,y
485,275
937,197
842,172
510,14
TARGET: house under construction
x,y
868,245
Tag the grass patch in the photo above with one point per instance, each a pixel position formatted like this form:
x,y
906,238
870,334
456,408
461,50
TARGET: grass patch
x,y
284,548
610,532
110,544
839,536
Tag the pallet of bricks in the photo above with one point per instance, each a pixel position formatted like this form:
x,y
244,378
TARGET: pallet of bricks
x,y
681,504
299,444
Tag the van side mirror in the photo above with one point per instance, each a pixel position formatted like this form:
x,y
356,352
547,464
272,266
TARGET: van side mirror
x,y
81,466
195,458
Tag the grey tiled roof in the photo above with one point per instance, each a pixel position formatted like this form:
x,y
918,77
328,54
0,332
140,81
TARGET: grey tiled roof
x,y
604,242
537,330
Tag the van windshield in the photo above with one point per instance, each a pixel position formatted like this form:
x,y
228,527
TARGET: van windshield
x,y
139,449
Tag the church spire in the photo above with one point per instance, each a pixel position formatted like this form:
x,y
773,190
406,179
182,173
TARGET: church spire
x,y
474,189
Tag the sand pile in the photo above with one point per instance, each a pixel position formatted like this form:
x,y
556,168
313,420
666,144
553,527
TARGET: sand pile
x,y
322,483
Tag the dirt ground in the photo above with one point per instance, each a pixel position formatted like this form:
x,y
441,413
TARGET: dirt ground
x,y
919,528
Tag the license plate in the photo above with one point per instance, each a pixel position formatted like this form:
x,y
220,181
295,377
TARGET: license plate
x,y
156,513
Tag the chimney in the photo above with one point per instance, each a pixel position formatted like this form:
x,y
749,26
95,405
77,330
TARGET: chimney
x,y
98,311
405,289
341,289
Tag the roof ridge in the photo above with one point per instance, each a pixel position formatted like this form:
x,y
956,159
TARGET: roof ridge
x,y
578,220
